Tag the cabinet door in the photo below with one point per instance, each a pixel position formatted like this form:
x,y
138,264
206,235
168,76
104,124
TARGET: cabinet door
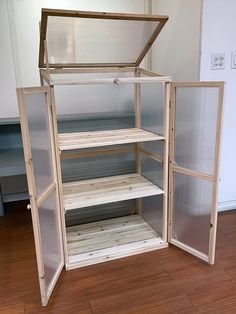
x,y
195,132
39,151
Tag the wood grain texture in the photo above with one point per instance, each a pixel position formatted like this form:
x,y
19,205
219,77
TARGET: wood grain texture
x,y
110,239
164,281
85,193
69,141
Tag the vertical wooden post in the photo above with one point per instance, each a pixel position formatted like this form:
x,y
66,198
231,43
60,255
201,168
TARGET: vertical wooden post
x,y
171,160
166,159
214,210
138,125
59,177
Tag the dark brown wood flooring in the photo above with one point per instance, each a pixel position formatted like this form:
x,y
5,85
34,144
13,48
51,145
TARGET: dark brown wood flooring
x,y
164,281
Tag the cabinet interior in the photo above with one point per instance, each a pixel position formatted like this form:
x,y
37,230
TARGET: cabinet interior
x,y
113,162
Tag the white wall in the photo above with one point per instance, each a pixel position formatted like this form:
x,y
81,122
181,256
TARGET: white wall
x,y
218,35
176,51
8,106
26,15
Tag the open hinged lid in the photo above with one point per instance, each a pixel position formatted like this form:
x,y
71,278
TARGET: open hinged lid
x,y
93,39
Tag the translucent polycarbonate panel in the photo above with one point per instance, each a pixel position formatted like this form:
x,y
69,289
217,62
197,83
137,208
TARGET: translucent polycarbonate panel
x,y
152,170
95,101
100,212
99,166
152,106
40,140
192,202
195,127
152,212
155,147
50,236
81,40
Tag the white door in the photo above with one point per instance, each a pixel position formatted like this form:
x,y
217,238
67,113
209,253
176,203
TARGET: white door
x,y
195,132
39,151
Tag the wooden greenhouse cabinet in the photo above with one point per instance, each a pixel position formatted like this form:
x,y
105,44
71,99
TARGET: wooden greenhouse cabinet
x,y
129,195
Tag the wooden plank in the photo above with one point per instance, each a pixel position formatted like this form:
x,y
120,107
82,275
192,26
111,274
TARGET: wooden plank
x,y
214,209
171,160
68,141
110,237
103,15
110,254
192,173
104,225
166,160
98,152
137,111
117,81
92,192
197,84
114,132
58,172
92,70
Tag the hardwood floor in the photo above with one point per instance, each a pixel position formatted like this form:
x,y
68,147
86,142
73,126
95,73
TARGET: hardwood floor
x,y
164,281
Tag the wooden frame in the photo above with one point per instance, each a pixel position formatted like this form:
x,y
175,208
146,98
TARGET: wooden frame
x,y
98,15
36,201
126,238
137,80
214,179
111,253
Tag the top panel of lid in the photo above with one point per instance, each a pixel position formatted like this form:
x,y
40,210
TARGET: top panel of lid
x,y
94,39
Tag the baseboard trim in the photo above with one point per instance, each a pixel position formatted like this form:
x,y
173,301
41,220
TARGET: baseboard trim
x,y
228,205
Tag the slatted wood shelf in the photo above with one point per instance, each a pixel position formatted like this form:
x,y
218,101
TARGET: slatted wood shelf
x,y
108,239
85,193
69,141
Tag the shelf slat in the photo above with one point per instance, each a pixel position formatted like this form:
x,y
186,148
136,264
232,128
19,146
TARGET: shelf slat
x,y
95,242
69,141
93,192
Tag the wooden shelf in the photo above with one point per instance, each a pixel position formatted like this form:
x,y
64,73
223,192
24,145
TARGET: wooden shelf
x,y
109,239
68,141
92,192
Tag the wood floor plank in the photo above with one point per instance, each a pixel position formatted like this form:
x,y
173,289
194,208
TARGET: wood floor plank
x,y
13,309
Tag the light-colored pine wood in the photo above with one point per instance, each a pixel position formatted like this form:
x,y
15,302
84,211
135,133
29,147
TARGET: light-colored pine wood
x,y
108,239
68,141
97,152
137,111
92,192
117,81
34,200
58,174
214,210
166,159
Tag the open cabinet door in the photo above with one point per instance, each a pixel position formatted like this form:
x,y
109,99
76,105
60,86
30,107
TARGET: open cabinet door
x,y
39,151
195,132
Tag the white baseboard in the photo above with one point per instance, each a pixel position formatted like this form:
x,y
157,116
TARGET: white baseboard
x,y
229,205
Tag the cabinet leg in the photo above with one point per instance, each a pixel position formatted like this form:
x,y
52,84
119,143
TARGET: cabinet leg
x,y
1,203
